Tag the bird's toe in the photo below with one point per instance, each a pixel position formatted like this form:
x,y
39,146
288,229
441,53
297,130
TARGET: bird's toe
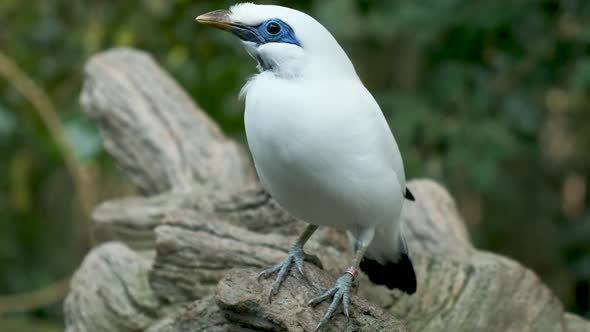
x,y
319,299
340,293
296,256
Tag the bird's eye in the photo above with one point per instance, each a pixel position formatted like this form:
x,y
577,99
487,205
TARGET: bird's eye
x,y
273,28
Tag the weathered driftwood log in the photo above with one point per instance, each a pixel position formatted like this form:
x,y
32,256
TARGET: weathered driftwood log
x,y
184,257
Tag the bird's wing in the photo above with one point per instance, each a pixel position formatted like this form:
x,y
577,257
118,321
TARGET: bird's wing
x,y
387,144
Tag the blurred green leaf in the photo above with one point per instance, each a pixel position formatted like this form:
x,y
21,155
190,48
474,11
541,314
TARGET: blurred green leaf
x,y
7,122
83,137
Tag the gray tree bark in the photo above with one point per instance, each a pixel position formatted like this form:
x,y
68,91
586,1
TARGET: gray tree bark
x,y
184,256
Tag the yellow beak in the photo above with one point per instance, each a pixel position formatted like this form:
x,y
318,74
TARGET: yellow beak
x,y
218,19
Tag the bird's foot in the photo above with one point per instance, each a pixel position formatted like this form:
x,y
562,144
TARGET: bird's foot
x,y
297,256
340,293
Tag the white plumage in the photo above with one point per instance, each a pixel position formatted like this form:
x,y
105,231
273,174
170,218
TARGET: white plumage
x,y
320,143
323,150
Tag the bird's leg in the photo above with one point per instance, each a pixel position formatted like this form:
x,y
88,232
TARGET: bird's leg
x,y
296,255
341,291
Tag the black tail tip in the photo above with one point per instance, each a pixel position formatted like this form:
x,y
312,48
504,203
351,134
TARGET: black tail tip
x,y
398,275
409,196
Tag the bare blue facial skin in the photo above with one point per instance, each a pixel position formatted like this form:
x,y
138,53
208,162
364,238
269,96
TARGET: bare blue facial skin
x,y
270,31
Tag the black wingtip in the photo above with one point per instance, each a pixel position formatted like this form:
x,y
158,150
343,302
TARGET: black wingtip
x,y
398,275
409,196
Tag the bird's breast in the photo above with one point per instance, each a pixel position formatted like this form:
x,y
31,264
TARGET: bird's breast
x,y
316,164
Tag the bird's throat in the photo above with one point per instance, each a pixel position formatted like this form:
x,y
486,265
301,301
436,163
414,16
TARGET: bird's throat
x,y
263,65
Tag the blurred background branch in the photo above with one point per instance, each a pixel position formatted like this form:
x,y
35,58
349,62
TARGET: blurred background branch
x,y
36,299
44,108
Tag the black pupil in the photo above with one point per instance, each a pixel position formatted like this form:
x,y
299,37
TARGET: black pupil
x,y
273,28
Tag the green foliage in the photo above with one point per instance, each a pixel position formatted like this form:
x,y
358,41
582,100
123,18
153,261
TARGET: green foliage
x,y
489,97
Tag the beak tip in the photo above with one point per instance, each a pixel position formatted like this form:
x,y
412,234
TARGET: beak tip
x,y
218,19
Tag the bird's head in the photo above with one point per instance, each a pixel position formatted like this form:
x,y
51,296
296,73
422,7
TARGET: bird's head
x,y
283,40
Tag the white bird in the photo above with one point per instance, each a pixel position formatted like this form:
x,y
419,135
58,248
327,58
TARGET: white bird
x,y
321,145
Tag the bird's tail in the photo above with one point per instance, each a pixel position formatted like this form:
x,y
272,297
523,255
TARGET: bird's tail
x,y
398,275
386,262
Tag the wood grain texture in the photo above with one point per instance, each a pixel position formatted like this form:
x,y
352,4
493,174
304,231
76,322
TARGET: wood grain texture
x,y
156,132
184,257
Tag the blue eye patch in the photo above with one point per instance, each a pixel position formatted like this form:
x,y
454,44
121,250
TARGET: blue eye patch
x,y
270,31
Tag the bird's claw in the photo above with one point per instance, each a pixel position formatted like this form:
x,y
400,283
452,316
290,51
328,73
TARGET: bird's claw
x,y
296,255
339,293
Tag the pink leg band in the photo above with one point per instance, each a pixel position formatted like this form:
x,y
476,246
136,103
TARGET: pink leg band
x,y
353,271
